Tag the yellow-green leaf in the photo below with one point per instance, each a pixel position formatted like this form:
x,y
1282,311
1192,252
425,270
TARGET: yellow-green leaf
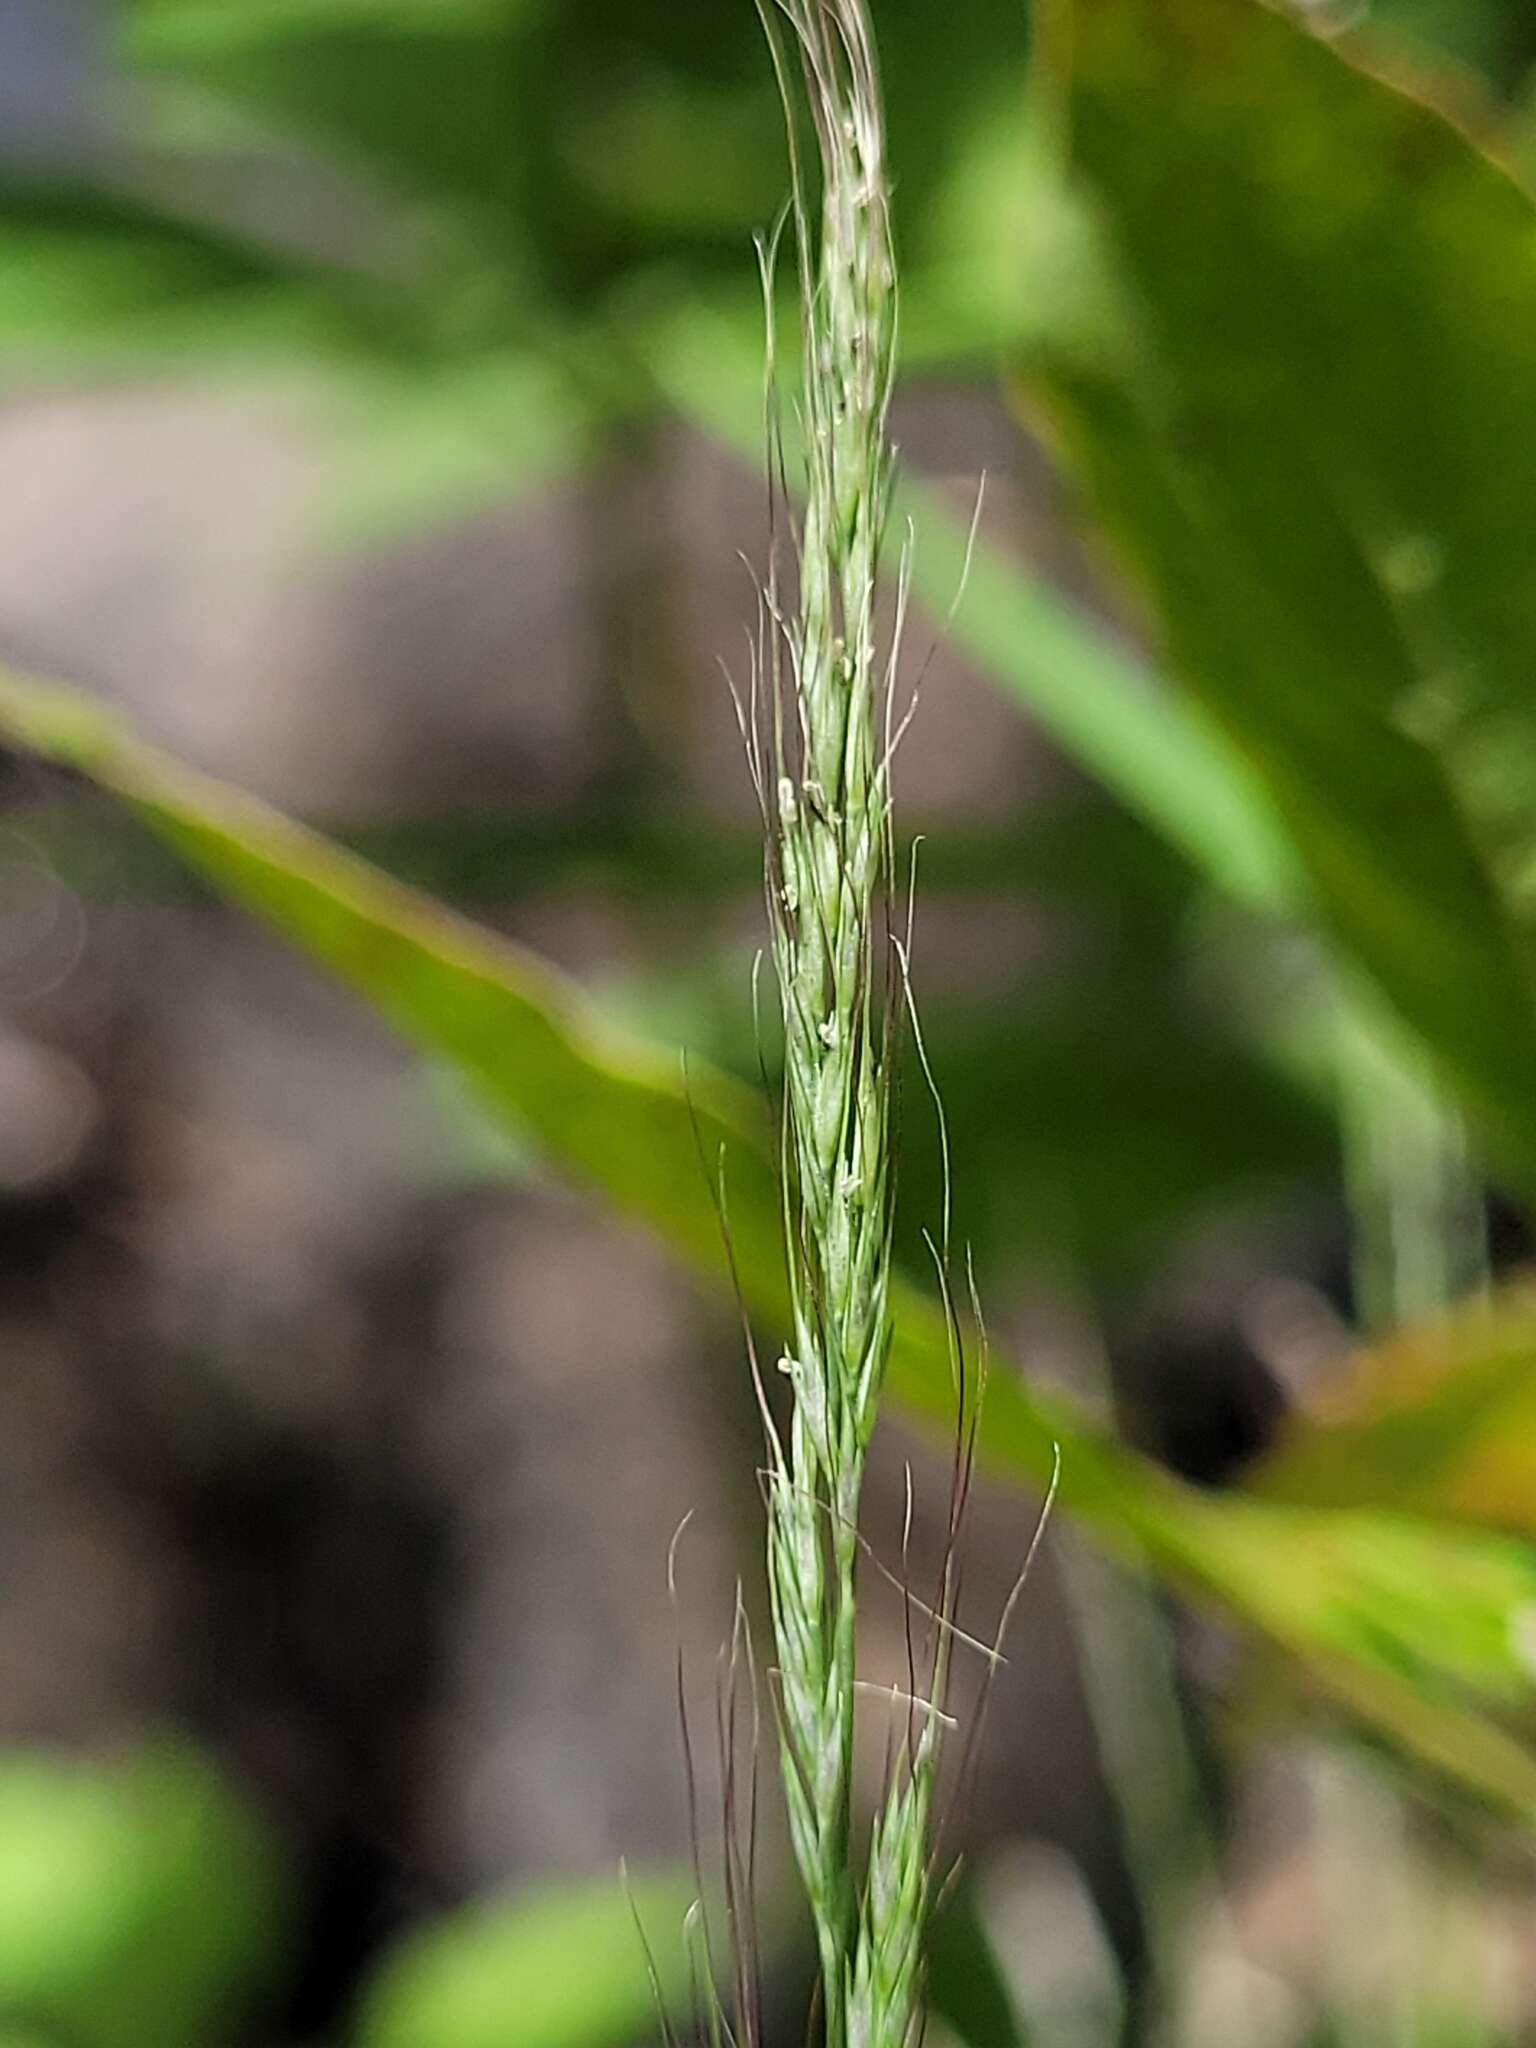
x,y
1440,1419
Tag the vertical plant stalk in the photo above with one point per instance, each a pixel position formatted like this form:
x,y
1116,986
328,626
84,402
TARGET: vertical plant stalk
x,y
828,676
1416,1203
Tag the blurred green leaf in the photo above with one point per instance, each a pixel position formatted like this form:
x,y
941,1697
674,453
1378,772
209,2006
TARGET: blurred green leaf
x,y
423,421
138,1900
1284,326
1420,1629
427,96
1440,1419
246,22
557,1968
1142,1111
91,278
967,1989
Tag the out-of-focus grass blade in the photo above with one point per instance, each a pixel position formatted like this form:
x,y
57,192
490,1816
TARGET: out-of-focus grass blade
x,y
92,280
430,100
967,1989
1418,1629
1287,339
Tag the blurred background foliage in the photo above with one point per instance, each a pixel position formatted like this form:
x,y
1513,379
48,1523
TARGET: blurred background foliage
x,y
1231,995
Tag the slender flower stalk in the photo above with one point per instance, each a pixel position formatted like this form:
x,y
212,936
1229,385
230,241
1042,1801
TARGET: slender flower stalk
x,y
829,672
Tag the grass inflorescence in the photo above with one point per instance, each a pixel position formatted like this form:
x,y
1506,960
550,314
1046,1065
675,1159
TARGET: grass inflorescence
x,y
821,733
